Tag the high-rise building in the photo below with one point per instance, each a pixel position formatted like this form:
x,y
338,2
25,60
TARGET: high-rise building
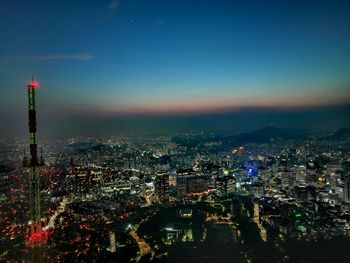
x,y
346,190
181,186
197,184
112,246
190,182
225,184
346,167
162,186
346,178
256,189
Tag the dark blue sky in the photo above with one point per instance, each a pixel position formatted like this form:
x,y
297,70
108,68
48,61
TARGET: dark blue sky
x,y
108,58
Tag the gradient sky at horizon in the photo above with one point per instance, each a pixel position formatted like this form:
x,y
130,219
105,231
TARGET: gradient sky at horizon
x,y
110,57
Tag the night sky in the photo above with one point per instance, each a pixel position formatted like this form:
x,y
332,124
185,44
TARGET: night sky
x,y
102,61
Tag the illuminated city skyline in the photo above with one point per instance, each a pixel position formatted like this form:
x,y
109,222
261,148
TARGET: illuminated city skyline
x,y
175,131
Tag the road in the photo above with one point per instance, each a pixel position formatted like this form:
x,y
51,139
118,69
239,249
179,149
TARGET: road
x,y
61,207
144,248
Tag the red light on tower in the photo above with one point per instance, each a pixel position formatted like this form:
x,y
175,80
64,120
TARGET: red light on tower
x,y
33,84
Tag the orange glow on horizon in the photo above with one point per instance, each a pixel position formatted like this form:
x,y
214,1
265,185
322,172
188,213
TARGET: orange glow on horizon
x,y
220,105
191,105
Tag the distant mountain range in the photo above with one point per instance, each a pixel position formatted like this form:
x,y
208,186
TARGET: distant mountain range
x,y
269,133
339,134
262,135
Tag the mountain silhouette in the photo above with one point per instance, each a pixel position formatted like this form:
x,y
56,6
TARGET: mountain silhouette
x,y
339,134
264,135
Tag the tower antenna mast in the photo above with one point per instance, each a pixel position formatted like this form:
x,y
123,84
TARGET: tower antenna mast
x,y
36,235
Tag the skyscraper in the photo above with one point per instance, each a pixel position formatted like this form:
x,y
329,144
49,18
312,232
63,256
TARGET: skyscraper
x,y
346,189
162,186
